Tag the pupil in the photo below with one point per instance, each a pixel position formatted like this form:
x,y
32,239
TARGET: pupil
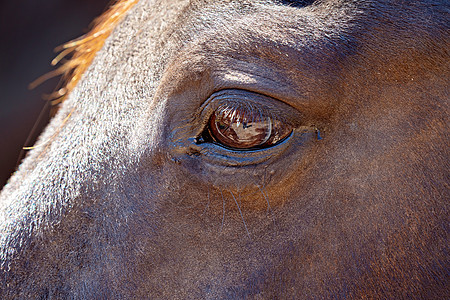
x,y
222,126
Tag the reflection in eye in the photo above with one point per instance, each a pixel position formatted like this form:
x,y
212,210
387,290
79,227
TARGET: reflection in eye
x,y
245,128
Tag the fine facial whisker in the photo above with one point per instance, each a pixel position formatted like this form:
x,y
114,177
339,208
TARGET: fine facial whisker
x,y
239,197
223,211
207,205
242,216
269,208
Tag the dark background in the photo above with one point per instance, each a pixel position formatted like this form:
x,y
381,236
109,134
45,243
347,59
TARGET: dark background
x,y
29,32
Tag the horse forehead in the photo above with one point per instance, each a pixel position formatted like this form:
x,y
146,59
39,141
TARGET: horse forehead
x,y
146,40
172,24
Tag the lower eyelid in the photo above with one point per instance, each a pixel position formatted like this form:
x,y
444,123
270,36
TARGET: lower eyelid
x,y
218,155
207,156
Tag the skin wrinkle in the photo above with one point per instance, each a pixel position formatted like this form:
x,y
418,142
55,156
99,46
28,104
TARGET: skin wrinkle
x,y
111,209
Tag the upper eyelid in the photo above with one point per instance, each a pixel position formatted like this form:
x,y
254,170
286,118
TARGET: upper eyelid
x,y
270,106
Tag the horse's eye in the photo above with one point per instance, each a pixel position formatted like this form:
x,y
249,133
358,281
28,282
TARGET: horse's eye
x,y
245,128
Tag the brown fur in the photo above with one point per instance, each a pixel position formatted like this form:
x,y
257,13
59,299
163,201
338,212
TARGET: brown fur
x,y
125,203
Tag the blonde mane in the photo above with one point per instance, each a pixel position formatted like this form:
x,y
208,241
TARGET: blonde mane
x,y
83,50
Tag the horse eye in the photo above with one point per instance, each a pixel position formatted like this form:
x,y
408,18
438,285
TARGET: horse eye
x,y
245,128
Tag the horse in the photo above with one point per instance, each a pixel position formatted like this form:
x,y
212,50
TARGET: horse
x,y
225,149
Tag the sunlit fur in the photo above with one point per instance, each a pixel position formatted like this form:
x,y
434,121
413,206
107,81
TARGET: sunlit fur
x,y
83,50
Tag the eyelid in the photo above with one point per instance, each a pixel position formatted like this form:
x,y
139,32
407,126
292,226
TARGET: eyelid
x,y
186,146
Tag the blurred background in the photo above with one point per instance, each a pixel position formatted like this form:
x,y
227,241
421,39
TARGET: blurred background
x,y
29,32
